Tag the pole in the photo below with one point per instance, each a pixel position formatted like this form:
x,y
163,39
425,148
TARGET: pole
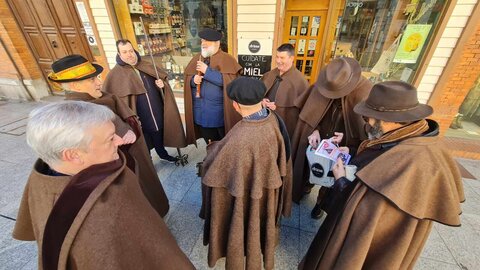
x,y
181,159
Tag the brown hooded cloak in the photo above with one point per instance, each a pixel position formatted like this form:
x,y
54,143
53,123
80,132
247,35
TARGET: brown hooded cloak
x,y
292,86
245,192
230,69
314,108
387,218
116,228
123,82
144,169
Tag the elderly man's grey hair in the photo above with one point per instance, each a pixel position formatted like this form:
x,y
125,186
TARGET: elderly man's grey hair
x,y
55,127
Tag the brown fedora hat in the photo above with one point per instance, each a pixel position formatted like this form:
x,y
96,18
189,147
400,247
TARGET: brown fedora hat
x,y
339,77
393,101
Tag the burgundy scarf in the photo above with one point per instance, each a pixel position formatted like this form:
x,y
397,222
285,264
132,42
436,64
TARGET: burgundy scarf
x,y
68,206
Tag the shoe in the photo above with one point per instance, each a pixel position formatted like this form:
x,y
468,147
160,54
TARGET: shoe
x,y
169,159
317,212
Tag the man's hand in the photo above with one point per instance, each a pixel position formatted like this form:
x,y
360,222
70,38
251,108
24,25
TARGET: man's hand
x,y
197,79
344,149
202,67
264,102
337,138
271,105
129,137
314,139
159,83
338,169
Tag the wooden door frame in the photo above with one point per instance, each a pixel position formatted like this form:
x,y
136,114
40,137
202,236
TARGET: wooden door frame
x,y
317,56
72,10
278,35
16,17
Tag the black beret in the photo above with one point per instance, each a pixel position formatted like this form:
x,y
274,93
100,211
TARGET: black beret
x,y
210,34
246,91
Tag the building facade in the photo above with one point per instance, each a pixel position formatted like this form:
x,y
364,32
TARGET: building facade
x,y
432,44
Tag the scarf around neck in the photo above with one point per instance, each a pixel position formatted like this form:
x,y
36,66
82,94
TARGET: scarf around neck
x,y
413,130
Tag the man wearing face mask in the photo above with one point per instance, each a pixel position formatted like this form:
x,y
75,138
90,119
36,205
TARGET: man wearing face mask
x,y
208,109
79,78
405,180
284,86
134,81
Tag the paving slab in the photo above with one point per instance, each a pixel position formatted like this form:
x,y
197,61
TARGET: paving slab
x,y
446,248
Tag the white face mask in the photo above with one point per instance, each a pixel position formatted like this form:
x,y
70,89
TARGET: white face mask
x,y
207,52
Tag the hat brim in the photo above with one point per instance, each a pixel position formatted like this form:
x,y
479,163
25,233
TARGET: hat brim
x,y
347,88
98,70
420,112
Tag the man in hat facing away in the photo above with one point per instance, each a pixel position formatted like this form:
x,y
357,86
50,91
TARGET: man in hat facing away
x,y
79,78
405,180
246,187
328,108
82,204
285,84
208,110
135,82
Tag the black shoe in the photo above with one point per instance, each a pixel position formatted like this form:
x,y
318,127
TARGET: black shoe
x,y
317,212
169,159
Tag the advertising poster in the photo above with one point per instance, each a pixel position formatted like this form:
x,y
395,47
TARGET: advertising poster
x,y
255,56
412,42
301,47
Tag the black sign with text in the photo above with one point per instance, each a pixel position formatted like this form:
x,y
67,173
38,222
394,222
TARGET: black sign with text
x,y
255,65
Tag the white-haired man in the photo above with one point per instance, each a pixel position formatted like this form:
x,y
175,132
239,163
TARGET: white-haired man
x,y
82,204
208,110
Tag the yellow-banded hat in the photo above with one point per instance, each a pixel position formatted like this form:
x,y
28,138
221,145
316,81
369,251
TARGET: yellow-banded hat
x,y
73,68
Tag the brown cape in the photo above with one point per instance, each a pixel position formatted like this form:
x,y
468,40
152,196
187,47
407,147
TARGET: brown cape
x,y
245,192
115,229
147,174
230,69
388,216
314,108
292,86
123,82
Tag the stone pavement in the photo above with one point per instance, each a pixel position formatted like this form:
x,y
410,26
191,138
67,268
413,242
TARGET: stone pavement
x,y
447,247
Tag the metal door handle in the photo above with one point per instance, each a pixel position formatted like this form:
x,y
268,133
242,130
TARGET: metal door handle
x,y
54,44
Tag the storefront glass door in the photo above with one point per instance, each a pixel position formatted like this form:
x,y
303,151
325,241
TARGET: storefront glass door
x,y
304,30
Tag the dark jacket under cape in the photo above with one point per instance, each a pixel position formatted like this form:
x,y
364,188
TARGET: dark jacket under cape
x,y
291,88
315,105
230,70
386,219
115,229
123,82
245,191
144,168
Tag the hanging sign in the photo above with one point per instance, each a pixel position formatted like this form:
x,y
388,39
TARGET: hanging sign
x,y
255,56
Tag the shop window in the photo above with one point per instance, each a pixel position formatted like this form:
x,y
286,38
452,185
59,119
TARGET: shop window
x,y
466,123
171,27
388,37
